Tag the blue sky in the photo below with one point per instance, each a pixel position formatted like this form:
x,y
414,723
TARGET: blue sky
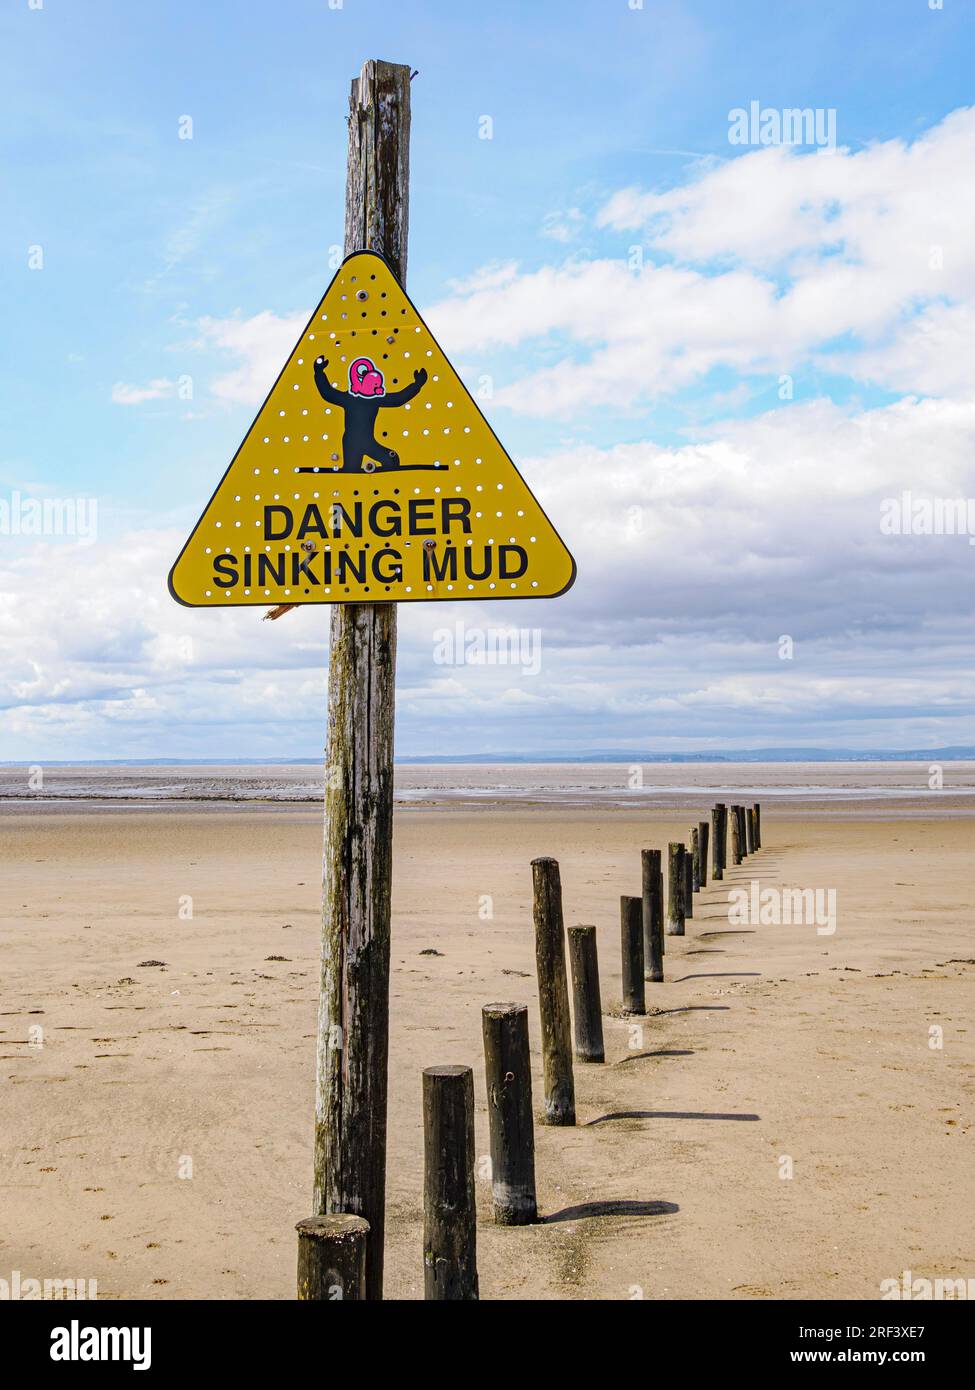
x,y
168,259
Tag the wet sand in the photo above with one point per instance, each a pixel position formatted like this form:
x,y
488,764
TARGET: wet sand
x,y
839,788
765,1043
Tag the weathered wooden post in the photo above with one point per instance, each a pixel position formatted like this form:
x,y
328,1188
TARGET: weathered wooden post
x,y
586,1003
695,859
750,829
704,840
758,825
353,1015
688,882
653,915
449,1218
364,308
742,832
725,835
507,1067
659,903
675,889
332,1258
717,848
631,936
553,993
736,837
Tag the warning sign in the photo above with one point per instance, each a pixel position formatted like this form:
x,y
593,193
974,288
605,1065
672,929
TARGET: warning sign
x,y
369,475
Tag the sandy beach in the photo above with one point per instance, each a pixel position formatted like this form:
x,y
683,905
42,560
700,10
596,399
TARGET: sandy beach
x,y
159,1067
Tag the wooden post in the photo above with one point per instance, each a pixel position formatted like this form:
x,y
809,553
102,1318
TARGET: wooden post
x,y
659,901
750,829
736,845
704,840
553,994
695,859
507,1067
675,889
449,1220
717,847
688,882
653,916
742,832
332,1258
631,935
586,1004
758,825
353,1016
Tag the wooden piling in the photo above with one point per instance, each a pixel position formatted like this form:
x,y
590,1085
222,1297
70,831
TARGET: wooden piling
x,y
736,839
704,841
631,934
507,1068
750,829
743,832
586,1005
695,859
553,994
688,882
758,825
353,1013
449,1222
718,841
653,916
675,889
332,1258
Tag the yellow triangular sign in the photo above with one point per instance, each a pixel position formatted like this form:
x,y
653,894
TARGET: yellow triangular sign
x,y
370,475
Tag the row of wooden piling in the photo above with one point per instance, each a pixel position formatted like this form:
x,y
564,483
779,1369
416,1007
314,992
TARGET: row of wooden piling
x,y
332,1249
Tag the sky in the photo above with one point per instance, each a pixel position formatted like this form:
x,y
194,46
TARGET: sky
x,y
737,371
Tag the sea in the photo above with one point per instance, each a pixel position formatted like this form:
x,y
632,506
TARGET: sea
x,y
913,787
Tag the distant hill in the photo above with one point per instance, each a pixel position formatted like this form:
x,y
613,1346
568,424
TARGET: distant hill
x,y
961,753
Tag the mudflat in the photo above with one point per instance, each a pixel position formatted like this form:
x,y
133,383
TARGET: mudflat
x,y
792,1118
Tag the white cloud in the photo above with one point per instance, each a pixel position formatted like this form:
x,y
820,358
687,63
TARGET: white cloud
x,y
693,561
263,344
933,353
563,226
879,210
156,390
772,258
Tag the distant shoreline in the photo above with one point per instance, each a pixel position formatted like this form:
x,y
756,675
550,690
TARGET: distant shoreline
x,y
960,753
629,788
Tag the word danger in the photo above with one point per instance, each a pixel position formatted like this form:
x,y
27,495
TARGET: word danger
x,y
387,529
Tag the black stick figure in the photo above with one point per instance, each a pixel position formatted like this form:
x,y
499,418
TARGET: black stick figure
x,y
362,402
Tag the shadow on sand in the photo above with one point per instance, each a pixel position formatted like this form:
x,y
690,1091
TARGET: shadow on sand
x,y
717,975
623,1207
668,1115
638,1056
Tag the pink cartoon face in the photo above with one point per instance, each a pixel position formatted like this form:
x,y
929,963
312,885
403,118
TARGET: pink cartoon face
x,y
365,379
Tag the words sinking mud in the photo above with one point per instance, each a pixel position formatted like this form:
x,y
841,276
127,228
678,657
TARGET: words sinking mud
x,y
304,555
